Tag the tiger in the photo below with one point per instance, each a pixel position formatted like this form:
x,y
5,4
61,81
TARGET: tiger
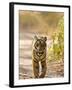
x,y
39,57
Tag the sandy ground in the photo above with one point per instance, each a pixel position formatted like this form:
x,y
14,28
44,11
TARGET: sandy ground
x,y
54,68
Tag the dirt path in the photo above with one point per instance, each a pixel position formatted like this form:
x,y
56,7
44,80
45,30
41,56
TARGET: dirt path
x,y
54,68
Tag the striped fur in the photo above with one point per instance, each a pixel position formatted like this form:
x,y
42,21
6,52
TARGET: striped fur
x,y
39,57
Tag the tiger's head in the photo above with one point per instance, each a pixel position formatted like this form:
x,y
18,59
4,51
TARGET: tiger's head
x,y
40,43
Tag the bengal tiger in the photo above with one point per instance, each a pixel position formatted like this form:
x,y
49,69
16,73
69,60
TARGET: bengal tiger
x,y
39,57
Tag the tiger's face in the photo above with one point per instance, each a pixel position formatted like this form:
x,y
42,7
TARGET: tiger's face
x,y
40,44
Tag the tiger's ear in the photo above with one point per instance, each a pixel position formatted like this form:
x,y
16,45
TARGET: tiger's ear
x,y
45,38
35,37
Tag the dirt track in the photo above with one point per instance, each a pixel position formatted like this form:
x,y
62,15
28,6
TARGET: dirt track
x,y
54,68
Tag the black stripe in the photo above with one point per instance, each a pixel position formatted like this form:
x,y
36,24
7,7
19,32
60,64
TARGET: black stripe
x,y
43,57
42,61
35,61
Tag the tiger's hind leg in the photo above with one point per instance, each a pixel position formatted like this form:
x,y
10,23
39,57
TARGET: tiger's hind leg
x,y
43,71
36,69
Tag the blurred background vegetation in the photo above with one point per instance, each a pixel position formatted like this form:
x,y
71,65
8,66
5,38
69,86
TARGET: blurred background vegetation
x,y
50,24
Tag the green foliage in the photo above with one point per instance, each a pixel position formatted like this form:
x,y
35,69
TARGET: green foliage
x,y
57,48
